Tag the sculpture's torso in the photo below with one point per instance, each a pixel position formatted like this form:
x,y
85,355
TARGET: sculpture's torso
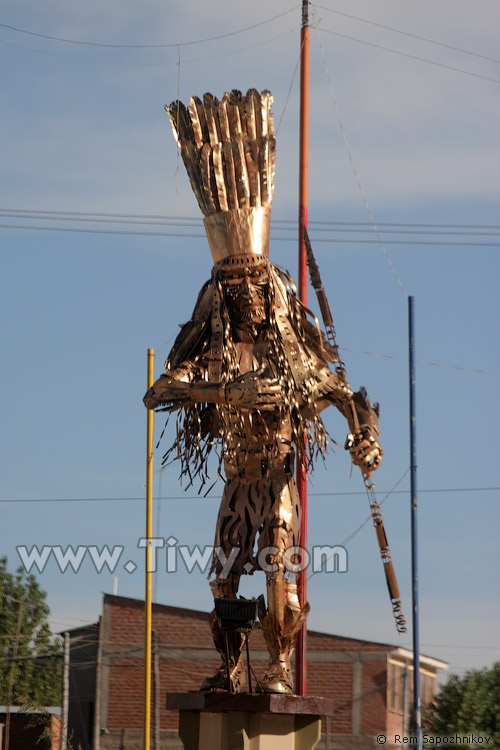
x,y
258,443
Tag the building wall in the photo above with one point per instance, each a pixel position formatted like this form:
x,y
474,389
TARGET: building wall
x,y
82,684
352,672
186,655
26,731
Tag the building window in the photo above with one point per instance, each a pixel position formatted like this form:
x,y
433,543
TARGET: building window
x,y
392,686
426,688
396,687
401,689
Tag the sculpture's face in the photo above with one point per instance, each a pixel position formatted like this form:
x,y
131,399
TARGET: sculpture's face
x,y
246,293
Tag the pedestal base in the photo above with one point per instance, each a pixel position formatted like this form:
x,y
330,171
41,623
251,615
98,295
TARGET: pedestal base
x,y
246,721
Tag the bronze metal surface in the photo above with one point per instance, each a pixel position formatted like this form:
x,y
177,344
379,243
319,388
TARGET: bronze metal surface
x,y
249,375
240,231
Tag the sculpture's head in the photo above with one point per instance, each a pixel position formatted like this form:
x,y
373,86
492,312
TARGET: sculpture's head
x,y
246,293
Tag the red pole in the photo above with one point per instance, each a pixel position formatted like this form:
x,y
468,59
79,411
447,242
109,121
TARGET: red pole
x,y
301,659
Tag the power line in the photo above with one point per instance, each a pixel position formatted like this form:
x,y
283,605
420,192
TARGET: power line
x,y
278,224
420,361
413,57
408,33
354,169
149,46
186,235
213,497
147,64
198,220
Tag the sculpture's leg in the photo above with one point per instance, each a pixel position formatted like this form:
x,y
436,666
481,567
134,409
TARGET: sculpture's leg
x,y
284,616
227,644
280,624
237,526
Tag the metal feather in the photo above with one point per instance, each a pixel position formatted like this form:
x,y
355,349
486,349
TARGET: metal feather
x,y
181,121
210,109
191,162
228,148
219,177
224,119
265,192
230,174
205,155
240,168
264,109
196,124
196,103
252,162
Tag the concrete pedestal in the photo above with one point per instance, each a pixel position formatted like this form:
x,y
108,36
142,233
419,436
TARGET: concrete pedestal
x,y
249,721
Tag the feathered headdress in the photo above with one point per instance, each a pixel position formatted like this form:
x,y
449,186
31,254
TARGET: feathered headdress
x,y
229,151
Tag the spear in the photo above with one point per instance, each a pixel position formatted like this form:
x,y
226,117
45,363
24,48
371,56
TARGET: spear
x,y
376,514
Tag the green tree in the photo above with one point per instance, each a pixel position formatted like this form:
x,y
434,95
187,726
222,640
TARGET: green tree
x,y
470,704
30,657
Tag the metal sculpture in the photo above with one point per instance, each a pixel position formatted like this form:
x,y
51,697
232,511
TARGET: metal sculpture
x,y
250,373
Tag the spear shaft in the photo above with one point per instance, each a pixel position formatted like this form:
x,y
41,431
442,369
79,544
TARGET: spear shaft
x,y
385,553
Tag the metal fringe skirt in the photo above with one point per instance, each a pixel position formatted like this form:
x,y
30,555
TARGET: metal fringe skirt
x,y
268,508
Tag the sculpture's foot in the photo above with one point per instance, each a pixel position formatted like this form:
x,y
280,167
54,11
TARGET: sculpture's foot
x,y
277,679
219,682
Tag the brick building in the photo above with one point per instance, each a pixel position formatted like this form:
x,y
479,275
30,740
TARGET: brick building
x,y
30,728
369,682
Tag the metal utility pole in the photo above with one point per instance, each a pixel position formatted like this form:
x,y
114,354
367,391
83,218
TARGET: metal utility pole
x,y
157,690
12,672
414,548
301,658
65,694
149,562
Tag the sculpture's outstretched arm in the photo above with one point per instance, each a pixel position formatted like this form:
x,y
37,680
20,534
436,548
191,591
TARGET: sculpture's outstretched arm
x,y
173,387
362,440
186,385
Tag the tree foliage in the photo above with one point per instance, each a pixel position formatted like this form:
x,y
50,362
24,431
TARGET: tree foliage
x,y
30,658
470,704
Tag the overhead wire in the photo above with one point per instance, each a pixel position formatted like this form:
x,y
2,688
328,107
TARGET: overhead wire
x,y
412,57
151,46
437,490
169,45
351,159
238,51
188,235
148,64
420,361
408,33
289,91
278,224
199,221
356,531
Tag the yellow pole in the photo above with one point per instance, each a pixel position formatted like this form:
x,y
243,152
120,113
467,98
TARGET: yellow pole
x,y
149,563
301,654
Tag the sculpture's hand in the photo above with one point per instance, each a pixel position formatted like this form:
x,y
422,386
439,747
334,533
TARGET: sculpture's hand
x,y
253,391
165,390
364,447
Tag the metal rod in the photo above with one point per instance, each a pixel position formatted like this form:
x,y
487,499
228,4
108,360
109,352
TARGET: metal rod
x,y
65,694
98,683
149,562
248,664
156,690
414,548
301,660
12,673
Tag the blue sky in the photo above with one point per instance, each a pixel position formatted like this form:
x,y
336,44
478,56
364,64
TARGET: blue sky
x,y
83,130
